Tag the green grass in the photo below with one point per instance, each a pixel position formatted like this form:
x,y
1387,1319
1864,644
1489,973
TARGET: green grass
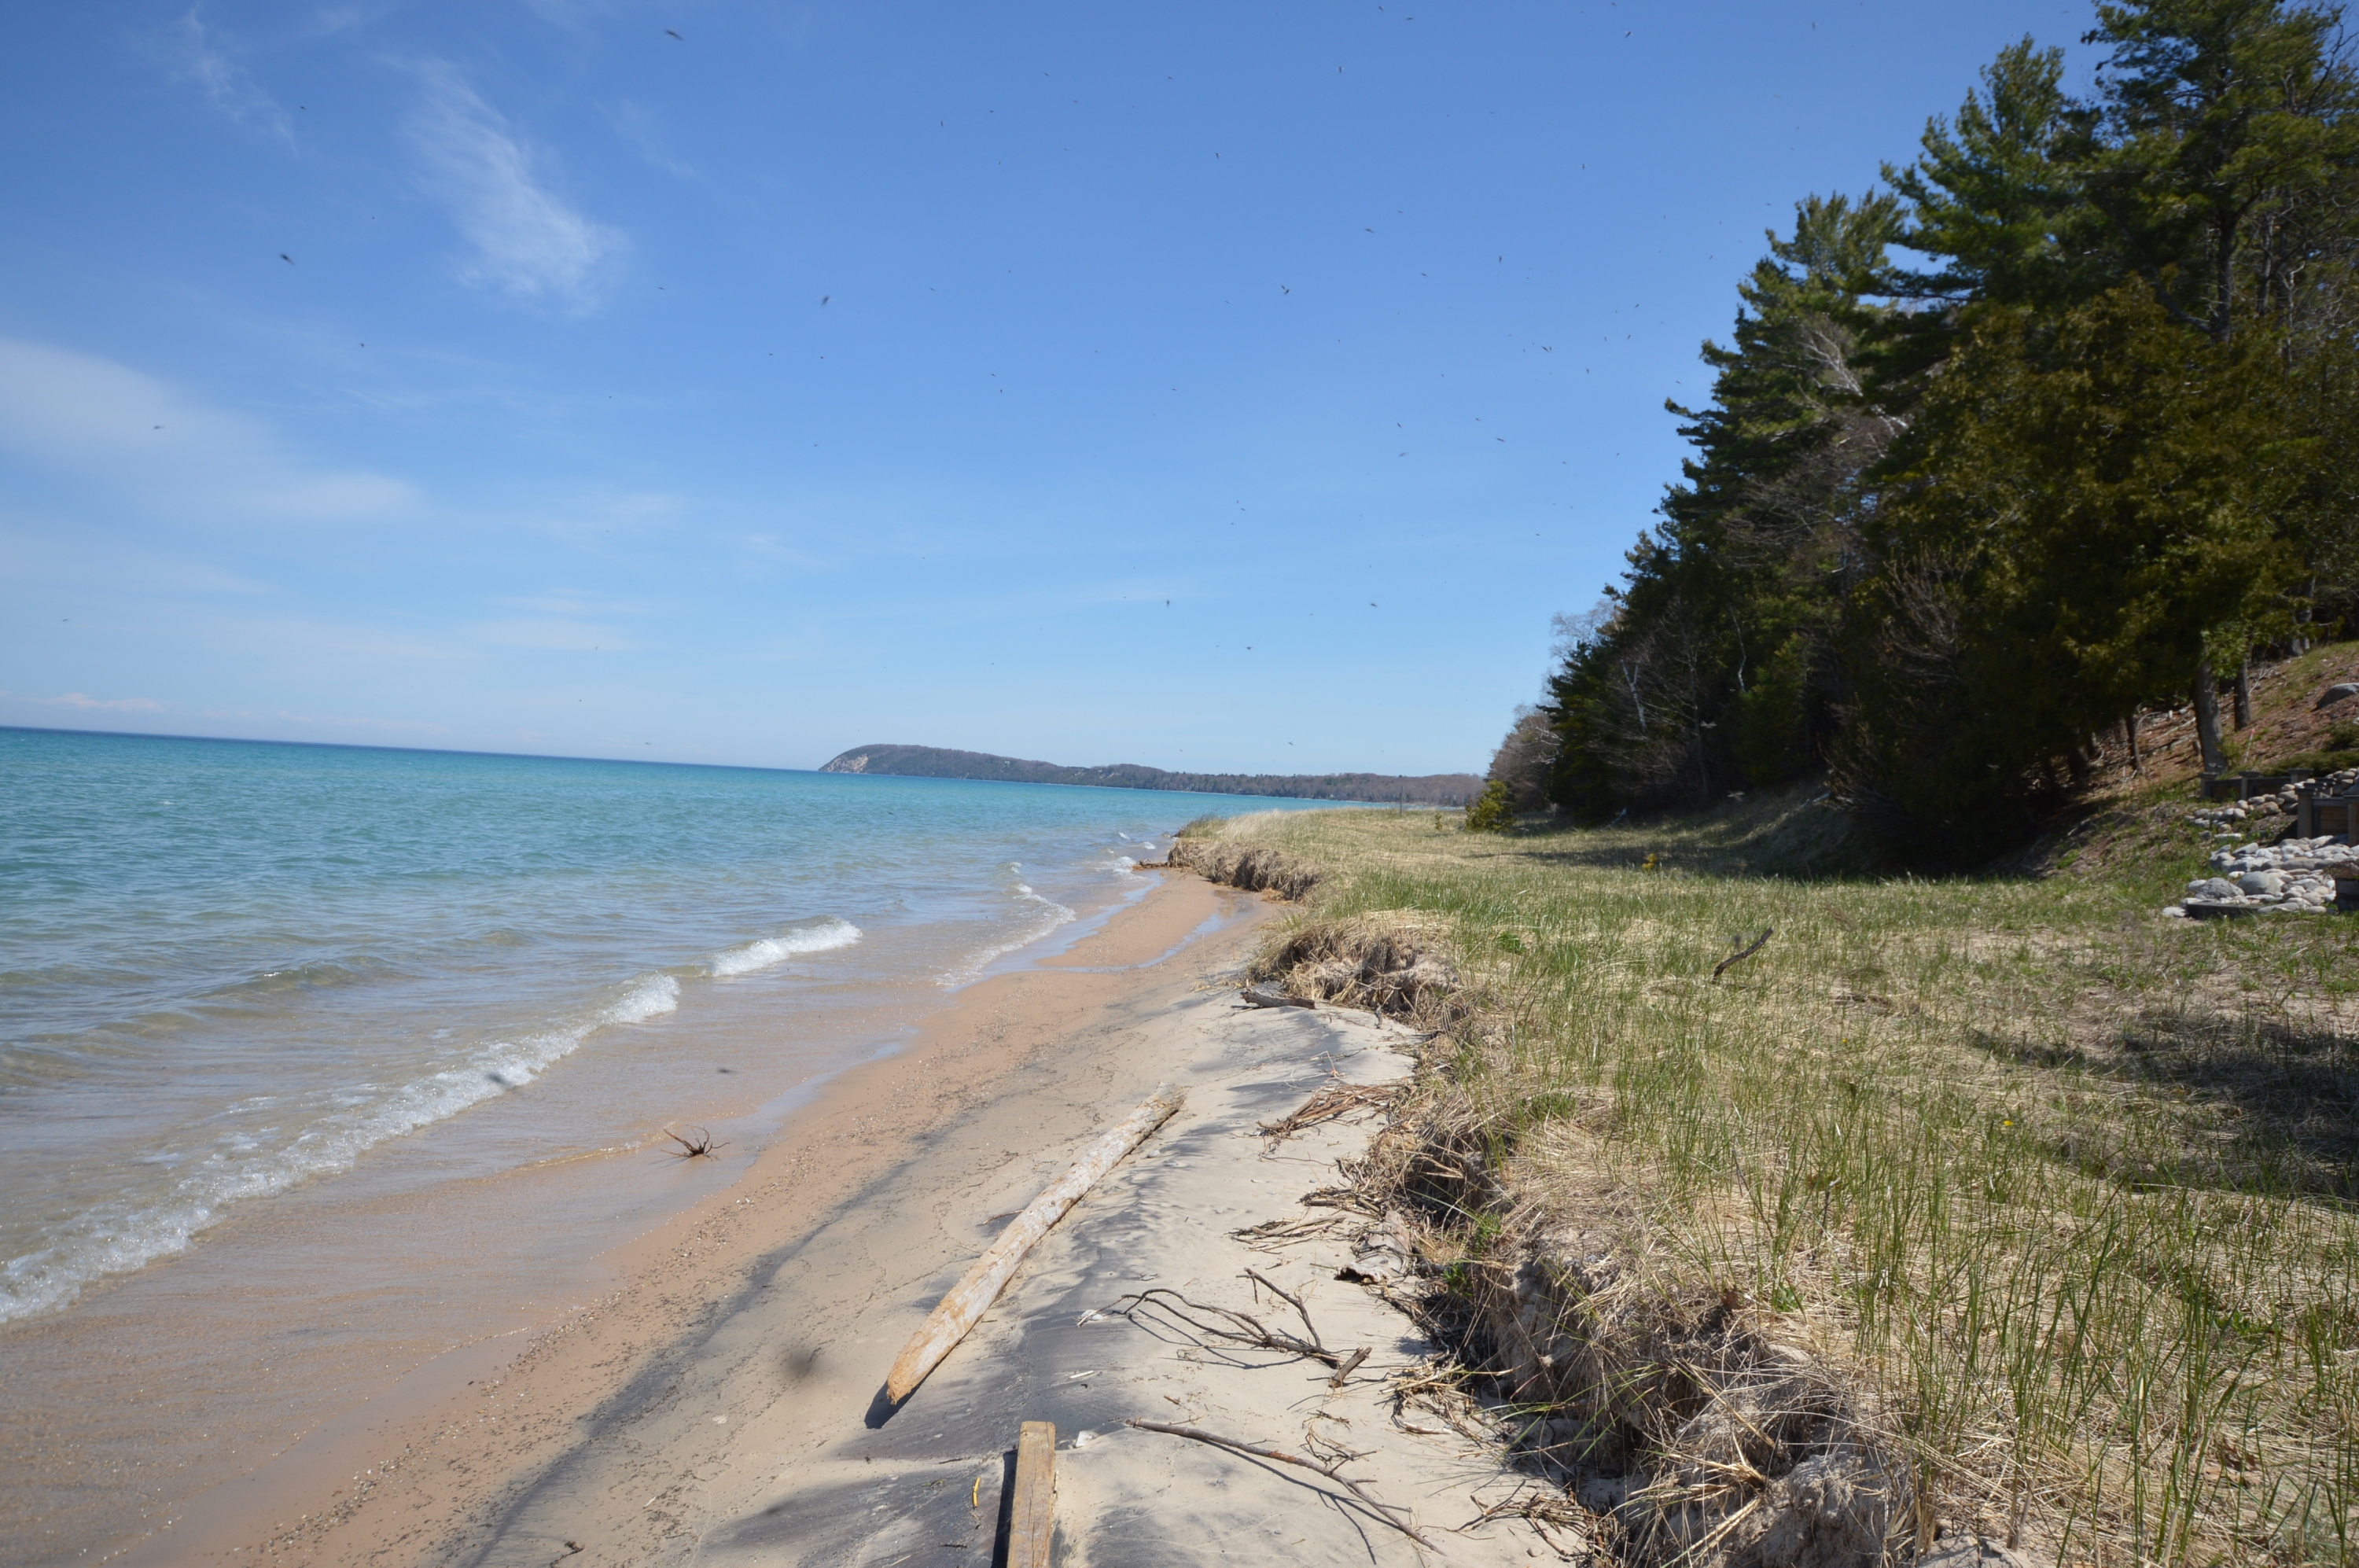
x,y
2066,1186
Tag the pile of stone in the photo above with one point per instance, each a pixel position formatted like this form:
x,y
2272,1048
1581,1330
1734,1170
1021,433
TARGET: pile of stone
x,y
2292,877
2284,803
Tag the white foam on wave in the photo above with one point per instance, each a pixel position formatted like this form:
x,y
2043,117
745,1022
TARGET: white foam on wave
x,y
243,1165
1051,915
822,935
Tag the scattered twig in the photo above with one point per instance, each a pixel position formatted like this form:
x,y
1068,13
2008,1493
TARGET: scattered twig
x,y
1758,942
1384,1511
1443,1397
1351,1364
1331,1103
1340,1198
1271,1234
1326,1449
1539,1509
703,1146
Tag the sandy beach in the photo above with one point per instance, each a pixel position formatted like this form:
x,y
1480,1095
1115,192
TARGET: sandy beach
x,y
716,1404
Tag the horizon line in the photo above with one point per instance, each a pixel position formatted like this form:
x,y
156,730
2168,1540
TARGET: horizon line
x,y
727,767
416,750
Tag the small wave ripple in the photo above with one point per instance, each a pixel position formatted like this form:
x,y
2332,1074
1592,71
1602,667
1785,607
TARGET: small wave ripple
x,y
1035,917
328,1132
825,934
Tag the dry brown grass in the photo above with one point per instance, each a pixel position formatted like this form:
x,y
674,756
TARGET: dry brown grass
x,y
1388,962
1243,865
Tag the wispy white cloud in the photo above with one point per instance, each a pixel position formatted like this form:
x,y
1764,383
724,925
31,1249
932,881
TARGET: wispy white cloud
x,y
527,242
127,430
202,54
121,704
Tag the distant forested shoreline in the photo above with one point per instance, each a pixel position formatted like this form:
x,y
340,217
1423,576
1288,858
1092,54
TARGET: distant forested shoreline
x,y
2054,427
938,762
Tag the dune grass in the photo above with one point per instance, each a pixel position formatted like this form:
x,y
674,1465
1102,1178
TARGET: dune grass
x,y
2065,1185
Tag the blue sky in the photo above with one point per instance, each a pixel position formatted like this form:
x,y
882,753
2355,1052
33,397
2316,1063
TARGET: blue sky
x,y
1236,387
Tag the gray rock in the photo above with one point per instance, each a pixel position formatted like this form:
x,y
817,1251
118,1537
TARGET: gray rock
x,y
2218,889
2263,883
2338,693
2236,910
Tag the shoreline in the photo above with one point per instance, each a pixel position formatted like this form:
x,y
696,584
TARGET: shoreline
x,y
333,1485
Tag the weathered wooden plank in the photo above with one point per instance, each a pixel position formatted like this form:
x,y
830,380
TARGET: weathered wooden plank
x,y
956,1312
1034,1514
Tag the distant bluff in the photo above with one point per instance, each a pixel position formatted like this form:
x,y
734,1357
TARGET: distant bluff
x,y
938,762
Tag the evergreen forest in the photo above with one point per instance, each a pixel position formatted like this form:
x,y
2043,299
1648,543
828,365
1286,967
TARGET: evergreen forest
x,y
2053,426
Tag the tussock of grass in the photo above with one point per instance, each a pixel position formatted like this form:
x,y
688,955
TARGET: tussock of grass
x,y
2058,1189
1381,963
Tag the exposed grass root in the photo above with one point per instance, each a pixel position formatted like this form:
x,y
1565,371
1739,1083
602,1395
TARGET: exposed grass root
x,y
1668,1409
1237,865
1385,963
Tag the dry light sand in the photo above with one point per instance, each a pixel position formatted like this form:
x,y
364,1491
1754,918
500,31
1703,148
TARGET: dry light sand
x,y
719,1407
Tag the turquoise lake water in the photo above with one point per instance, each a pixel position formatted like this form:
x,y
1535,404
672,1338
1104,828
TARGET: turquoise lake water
x,y
229,969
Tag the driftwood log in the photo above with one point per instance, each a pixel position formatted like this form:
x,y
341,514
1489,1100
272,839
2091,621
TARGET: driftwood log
x,y
973,1295
1032,1521
1264,996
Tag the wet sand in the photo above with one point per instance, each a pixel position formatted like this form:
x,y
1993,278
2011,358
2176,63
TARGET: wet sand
x,y
423,1469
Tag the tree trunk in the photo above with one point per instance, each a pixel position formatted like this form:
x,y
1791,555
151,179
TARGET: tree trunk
x,y
2129,736
2207,716
2245,693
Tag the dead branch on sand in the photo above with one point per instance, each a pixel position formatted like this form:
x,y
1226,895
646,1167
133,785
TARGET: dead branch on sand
x,y
1206,1323
1384,1511
703,1146
1264,997
1221,1324
1291,1300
